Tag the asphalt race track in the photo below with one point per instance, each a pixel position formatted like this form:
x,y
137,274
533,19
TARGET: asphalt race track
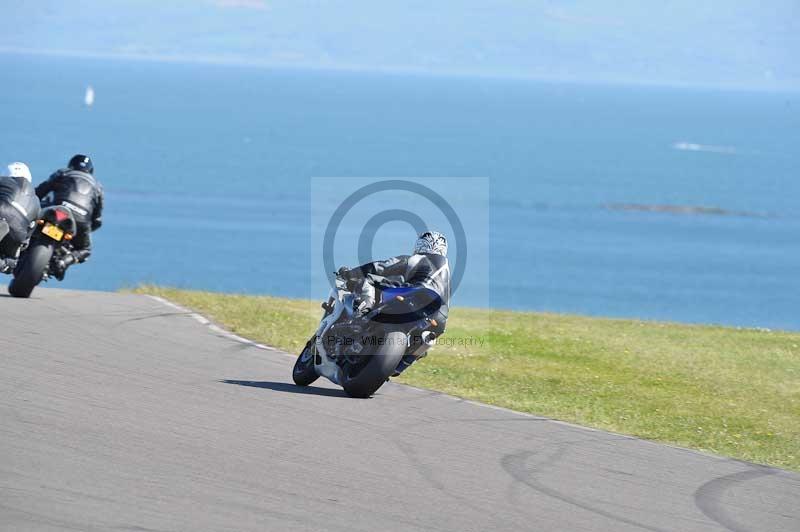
x,y
120,413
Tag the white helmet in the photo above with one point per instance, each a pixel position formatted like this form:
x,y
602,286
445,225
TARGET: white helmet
x,y
20,170
431,242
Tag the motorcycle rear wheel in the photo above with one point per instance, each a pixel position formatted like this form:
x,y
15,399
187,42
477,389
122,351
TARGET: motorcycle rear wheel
x,y
378,368
30,270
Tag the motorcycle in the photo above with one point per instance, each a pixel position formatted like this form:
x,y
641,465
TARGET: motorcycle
x,y
49,243
359,353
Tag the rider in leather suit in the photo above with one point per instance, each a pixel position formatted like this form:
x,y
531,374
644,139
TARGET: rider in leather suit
x,y
19,208
76,188
427,267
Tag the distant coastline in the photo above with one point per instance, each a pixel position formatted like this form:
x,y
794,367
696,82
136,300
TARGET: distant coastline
x,y
293,64
684,210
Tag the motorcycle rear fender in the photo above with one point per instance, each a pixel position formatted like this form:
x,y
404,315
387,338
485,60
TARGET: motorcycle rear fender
x,y
61,217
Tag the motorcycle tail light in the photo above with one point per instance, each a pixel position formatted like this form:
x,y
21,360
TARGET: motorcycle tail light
x,y
39,222
67,236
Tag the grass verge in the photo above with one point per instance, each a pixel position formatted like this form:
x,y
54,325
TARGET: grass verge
x,y
734,392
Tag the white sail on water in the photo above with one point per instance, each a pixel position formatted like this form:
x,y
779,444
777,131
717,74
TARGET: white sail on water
x,y
88,98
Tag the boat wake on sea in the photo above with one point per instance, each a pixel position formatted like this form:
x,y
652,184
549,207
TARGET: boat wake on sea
x,y
708,148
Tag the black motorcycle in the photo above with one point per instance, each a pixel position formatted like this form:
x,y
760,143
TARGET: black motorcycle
x,y
49,243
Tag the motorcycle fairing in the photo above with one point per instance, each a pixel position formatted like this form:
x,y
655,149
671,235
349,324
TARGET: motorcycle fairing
x,y
323,363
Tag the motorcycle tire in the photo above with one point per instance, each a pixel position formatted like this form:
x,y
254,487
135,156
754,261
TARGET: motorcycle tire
x,y
380,367
303,372
30,270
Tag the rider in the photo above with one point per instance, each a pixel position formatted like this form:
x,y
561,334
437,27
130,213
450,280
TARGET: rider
x,y
426,267
19,207
76,188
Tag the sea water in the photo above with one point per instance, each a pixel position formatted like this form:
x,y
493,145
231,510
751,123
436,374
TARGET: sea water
x,y
660,203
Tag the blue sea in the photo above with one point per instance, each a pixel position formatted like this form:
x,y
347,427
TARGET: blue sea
x,y
659,203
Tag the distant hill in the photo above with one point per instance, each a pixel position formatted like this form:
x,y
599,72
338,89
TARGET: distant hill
x,y
680,42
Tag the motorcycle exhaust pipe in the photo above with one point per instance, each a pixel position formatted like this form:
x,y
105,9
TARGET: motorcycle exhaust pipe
x,y
428,339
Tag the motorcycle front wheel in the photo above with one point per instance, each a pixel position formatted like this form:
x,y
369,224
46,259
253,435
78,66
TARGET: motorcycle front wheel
x,y
30,270
304,373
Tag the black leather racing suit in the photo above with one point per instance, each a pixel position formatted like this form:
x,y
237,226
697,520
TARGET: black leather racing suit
x,y
82,194
19,207
429,270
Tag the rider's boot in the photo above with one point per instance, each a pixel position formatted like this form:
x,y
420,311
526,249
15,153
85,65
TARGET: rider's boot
x,y
421,351
61,266
404,364
76,256
7,265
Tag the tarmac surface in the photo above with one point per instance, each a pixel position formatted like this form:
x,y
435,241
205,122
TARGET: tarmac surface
x,y
121,413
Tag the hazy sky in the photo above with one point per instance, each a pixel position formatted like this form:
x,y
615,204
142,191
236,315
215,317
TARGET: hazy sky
x,y
708,42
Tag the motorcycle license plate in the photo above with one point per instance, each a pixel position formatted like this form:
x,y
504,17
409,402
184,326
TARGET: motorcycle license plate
x,y
53,232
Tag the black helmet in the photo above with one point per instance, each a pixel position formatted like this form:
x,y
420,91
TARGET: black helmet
x,y
82,163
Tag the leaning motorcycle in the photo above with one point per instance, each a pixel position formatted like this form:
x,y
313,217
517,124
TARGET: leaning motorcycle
x,y
49,243
359,353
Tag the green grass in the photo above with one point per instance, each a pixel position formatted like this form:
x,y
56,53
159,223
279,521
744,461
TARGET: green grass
x,y
734,392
